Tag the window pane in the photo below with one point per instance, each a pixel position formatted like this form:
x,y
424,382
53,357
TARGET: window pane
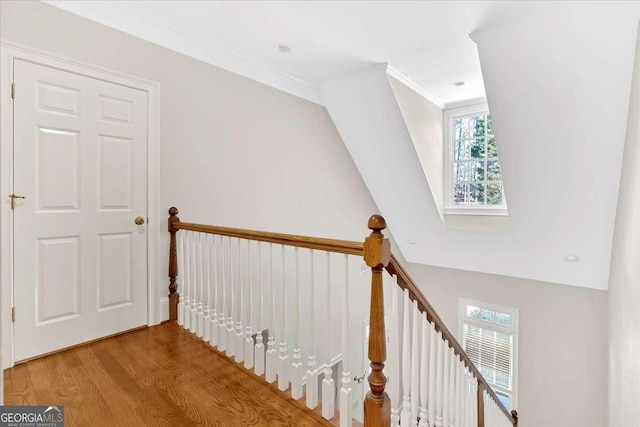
x,y
494,194
461,149
504,398
476,194
487,315
460,194
503,380
477,148
489,124
461,172
461,129
493,170
503,319
476,170
477,126
492,150
473,311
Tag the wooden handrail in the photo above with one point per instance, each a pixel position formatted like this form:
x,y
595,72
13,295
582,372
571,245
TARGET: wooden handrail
x,y
377,254
406,282
329,245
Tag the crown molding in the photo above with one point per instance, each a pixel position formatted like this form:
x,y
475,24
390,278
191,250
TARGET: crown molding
x,y
128,17
413,86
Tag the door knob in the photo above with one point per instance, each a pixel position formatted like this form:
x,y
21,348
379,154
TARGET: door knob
x,y
139,220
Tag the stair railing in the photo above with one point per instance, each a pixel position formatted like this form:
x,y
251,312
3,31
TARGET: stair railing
x,y
241,288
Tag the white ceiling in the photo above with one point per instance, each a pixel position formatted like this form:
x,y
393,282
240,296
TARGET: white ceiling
x,y
427,42
557,76
558,88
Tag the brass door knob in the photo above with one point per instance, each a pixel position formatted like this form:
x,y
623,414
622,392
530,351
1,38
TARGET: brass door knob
x,y
139,220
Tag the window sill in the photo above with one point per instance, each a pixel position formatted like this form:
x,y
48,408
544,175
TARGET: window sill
x,y
477,211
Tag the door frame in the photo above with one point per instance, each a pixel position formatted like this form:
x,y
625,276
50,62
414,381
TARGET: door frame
x,y
8,52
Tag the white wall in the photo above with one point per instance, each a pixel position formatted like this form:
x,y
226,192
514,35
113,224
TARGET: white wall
x,y
624,283
424,121
234,152
563,341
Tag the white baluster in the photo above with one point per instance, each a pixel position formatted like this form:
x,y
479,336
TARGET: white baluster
x,y
468,402
415,364
458,392
424,371
490,422
431,396
249,311
239,356
394,355
259,354
215,301
452,387
346,398
223,284
405,415
200,266
474,401
231,332
193,324
181,277
283,365
312,372
188,279
328,385
445,383
439,379
296,366
206,334
271,373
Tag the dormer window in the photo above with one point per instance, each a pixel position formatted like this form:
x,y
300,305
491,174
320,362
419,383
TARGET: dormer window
x,y
472,170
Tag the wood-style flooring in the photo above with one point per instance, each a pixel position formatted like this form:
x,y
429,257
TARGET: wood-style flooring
x,y
158,376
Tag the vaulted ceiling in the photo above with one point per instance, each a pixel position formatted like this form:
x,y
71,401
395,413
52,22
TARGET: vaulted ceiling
x,y
556,75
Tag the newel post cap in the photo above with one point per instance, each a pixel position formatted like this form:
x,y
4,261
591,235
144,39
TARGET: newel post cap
x,y
377,223
173,218
377,249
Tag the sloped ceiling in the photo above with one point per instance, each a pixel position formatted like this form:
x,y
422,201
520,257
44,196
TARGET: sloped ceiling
x,y
557,77
559,94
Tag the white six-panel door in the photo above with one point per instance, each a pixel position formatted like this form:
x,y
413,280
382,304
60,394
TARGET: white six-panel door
x,y
80,261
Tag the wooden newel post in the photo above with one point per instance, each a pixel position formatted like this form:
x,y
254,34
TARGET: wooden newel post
x,y
377,255
514,414
174,296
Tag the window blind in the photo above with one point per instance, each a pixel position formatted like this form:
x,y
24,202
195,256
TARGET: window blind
x,y
492,352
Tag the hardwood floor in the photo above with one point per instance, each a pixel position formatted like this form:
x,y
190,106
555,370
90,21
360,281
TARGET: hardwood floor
x,y
158,376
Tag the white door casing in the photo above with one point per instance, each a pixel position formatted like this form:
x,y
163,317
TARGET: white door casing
x,y
105,305
80,262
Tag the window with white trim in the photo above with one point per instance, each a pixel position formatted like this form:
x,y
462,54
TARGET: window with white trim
x,y
472,169
489,336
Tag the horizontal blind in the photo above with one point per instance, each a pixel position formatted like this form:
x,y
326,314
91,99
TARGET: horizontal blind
x,y
492,352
